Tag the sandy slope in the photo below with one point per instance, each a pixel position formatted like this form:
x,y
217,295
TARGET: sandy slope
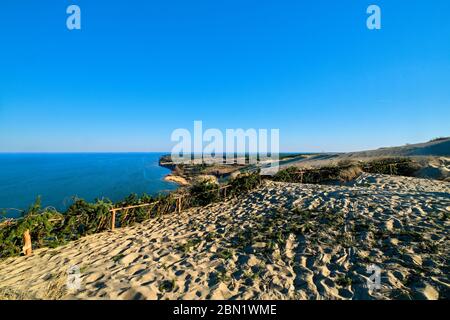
x,y
433,158
440,147
399,224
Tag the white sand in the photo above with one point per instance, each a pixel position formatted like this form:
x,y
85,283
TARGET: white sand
x,y
146,260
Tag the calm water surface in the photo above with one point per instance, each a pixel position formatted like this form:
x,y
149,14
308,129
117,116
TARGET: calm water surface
x,y
57,178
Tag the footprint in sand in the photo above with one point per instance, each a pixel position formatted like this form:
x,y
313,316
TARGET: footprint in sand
x,y
129,258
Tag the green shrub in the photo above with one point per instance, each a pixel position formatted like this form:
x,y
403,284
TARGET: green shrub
x,y
49,228
392,166
348,171
135,215
41,224
245,182
83,218
320,175
290,174
203,193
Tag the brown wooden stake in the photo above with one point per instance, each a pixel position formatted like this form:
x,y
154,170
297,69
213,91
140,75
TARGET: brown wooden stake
x,y
113,219
179,204
27,247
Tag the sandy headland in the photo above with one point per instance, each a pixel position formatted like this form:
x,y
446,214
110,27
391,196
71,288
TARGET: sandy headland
x,y
432,161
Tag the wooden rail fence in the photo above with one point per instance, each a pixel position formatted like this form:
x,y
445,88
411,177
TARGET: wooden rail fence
x,y
179,200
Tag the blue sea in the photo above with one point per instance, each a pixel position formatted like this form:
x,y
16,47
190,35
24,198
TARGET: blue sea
x,y
58,177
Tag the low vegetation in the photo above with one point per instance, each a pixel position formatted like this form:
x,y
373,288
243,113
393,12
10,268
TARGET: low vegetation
x,y
393,166
50,228
204,192
320,175
346,171
244,183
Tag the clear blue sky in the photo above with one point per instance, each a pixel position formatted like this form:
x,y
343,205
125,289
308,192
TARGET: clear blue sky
x,y
139,69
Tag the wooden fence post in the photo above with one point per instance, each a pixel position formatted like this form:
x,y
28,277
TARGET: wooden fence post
x,y
113,219
27,247
179,204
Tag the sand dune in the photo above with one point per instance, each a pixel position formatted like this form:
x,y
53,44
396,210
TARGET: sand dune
x,y
282,241
433,158
439,147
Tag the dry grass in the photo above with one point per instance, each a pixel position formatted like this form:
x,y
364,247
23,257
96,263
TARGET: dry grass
x,y
56,290
11,294
350,173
